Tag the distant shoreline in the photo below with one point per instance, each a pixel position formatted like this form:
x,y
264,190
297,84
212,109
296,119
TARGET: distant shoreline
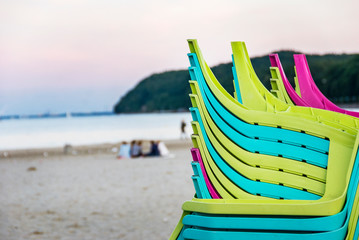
x,y
55,115
79,114
97,114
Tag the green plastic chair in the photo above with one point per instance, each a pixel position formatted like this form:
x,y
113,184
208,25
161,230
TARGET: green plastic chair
x,y
256,160
261,145
248,164
247,185
316,230
253,131
331,226
214,174
259,98
340,161
278,88
284,120
262,117
177,233
330,200
290,223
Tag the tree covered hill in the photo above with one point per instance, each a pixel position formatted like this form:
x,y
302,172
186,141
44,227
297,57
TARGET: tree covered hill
x,y
337,76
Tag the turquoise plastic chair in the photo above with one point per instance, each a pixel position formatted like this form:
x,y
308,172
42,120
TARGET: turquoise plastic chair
x,y
271,169
211,225
198,182
284,223
257,144
252,187
258,97
260,132
196,156
204,234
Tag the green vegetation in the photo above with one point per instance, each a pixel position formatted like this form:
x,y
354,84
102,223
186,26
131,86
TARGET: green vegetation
x,y
337,76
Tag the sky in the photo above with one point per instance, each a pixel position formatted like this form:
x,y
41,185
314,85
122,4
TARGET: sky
x,y
83,55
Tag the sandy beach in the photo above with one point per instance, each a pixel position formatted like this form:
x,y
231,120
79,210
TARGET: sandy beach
x,y
86,193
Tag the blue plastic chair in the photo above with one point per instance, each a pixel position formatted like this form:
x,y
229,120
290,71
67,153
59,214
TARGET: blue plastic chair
x,y
334,225
252,131
198,181
254,164
262,146
252,187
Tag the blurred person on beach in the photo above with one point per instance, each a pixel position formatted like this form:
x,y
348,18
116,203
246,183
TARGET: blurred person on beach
x,y
154,150
163,150
183,130
136,149
132,144
124,151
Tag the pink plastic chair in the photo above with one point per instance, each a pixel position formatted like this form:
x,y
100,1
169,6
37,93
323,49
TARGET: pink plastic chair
x,y
275,62
309,90
196,156
311,96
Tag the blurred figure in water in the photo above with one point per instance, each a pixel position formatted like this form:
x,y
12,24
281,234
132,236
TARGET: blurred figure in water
x,y
136,149
124,151
183,130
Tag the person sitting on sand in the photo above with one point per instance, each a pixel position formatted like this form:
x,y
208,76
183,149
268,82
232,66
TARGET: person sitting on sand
x,y
163,150
136,149
132,145
124,151
154,150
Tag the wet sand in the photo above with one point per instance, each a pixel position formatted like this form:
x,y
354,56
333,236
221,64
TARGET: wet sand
x,y
89,194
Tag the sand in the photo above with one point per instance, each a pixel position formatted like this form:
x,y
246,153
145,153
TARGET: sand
x,y
92,195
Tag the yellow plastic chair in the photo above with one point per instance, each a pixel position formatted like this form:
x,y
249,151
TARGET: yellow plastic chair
x,y
278,89
285,120
340,161
257,97
327,205
252,184
248,164
256,160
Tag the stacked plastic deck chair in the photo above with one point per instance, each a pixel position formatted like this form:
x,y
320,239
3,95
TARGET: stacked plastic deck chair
x,y
263,168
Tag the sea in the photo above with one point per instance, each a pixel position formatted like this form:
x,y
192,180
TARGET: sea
x,y
32,133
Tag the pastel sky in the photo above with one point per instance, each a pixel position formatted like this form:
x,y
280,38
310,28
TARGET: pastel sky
x,y
82,55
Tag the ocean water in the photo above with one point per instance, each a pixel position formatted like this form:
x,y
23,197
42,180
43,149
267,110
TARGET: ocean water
x,y
56,132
